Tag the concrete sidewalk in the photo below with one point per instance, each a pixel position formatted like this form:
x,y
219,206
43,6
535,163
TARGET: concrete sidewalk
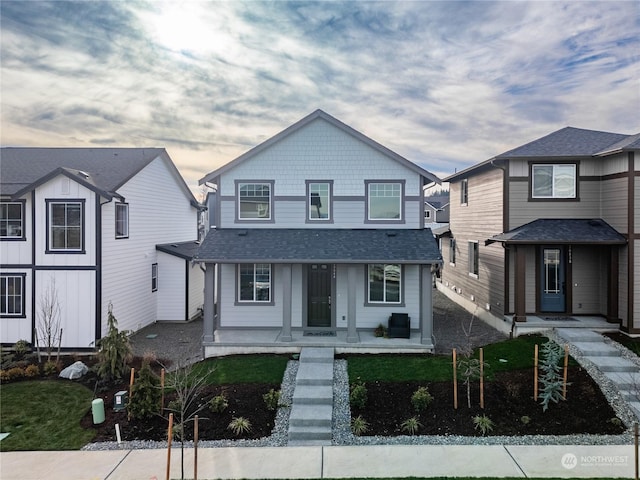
x,y
611,461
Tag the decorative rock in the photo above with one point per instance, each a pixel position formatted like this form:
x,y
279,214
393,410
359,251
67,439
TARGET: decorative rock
x,y
74,371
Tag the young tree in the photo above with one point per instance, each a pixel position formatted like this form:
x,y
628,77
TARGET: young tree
x,y
49,329
115,350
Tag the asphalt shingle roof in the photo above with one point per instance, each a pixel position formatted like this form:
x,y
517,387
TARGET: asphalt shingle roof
x,y
562,231
108,168
186,250
279,245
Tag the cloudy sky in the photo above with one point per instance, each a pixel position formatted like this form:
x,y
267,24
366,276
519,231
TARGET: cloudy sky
x,y
445,84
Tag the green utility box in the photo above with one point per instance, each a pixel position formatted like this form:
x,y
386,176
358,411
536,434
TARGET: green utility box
x,y
120,401
97,410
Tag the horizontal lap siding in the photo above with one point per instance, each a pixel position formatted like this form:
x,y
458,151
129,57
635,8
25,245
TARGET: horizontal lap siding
x,y
196,289
614,203
171,287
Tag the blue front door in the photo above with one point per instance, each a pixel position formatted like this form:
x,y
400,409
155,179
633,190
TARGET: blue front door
x,y
552,280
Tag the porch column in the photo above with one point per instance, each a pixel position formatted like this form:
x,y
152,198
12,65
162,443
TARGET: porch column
x,y
520,285
426,305
352,274
208,320
613,314
285,336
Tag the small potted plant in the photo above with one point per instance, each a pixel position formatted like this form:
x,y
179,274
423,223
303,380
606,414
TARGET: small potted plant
x,y
380,331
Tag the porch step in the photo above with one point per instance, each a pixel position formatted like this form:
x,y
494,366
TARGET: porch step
x,y
574,335
310,421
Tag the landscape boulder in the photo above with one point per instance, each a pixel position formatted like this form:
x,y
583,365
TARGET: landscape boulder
x,y
74,371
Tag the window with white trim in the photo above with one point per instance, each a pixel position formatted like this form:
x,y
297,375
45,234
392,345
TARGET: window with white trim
x,y
122,220
553,181
385,283
12,296
11,220
254,282
65,225
319,201
384,201
254,201
474,258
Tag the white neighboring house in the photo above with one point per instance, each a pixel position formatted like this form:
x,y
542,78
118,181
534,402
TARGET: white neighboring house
x,y
105,226
318,230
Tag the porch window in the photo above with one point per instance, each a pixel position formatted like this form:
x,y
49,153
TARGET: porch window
x,y
384,201
553,181
474,259
319,201
11,220
122,220
12,295
254,201
65,226
385,283
254,282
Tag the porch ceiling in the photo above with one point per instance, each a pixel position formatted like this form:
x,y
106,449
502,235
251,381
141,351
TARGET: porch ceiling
x,y
562,231
311,245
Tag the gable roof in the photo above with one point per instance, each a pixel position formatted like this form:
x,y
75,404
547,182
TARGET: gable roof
x,y
185,250
562,231
324,245
567,142
102,170
319,114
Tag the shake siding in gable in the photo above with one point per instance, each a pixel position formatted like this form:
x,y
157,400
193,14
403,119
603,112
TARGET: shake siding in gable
x,y
155,198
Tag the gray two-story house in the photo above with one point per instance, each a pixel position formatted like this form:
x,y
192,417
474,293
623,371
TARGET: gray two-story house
x,y
549,229
318,231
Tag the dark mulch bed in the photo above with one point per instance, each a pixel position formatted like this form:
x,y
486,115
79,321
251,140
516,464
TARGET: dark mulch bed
x,y
245,400
508,398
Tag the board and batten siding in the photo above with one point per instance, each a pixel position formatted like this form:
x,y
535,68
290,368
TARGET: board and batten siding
x,y
478,220
310,154
159,212
18,252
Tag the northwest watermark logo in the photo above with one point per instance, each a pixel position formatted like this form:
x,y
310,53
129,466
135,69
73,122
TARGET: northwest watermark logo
x,y
571,461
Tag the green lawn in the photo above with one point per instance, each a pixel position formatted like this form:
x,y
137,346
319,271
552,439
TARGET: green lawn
x,y
512,354
44,415
243,369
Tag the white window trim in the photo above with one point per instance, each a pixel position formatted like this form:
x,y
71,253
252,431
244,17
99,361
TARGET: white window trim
x,y
400,301
239,289
401,201
259,219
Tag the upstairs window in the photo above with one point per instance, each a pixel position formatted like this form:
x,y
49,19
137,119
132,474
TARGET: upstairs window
x,y
254,282
122,220
385,282
318,201
254,201
11,220
12,299
464,191
384,200
65,226
553,181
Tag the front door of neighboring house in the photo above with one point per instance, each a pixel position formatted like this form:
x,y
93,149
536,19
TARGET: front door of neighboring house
x,y
319,295
552,280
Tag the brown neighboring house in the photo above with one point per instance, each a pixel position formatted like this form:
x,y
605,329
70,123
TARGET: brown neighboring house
x,y
549,228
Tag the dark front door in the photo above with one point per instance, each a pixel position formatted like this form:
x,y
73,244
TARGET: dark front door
x,y
319,295
552,280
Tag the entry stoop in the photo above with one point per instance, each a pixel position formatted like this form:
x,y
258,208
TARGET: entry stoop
x,y
312,410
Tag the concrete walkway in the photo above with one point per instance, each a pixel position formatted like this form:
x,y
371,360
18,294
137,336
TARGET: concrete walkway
x,y
421,461
624,374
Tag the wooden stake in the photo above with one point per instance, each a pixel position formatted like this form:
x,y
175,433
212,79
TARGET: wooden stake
x,y
566,366
481,378
162,390
635,436
169,437
535,374
131,378
195,448
455,380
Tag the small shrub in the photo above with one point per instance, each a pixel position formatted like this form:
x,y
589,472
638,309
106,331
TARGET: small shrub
x,y
421,399
411,425
50,368
115,350
32,371
358,394
21,348
550,378
359,425
15,373
525,420
380,331
615,421
145,394
4,376
218,404
271,399
483,423
239,425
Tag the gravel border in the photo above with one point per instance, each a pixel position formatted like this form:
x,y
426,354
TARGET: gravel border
x,y
341,424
